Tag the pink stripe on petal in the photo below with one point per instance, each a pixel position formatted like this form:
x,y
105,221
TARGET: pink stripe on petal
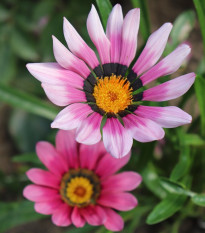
x,y
153,49
68,60
171,89
142,129
168,65
40,194
118,201
88,131
62,216
71,116
116,139
76,218
78,46
66,146
42,177
114,32
124,181
129,36
114,221
48,207
97,35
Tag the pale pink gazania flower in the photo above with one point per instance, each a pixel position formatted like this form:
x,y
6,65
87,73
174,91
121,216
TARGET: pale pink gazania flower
x,y
91,89
81,185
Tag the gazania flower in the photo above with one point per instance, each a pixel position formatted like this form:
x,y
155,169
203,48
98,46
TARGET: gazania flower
x,y
81,185
91,89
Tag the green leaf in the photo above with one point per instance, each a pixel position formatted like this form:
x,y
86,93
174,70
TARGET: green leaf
x,y
199,88
193,140
26,158
166,208
105,8
27,102
199,199
16,213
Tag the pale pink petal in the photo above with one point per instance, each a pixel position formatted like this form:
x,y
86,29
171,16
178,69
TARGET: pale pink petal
x,y
78,46
109,165
153,49
48,207
129,36
40,194
67,60
142,129
50,158
116,139
53,74
114,32
63,95
124,181
168,65
71,116
62,216
88,131
97,35
114,221
67,147
119,201
171,89
42,177
167,117
76,218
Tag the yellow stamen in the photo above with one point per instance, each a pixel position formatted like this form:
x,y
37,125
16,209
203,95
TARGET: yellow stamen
x,y
113,94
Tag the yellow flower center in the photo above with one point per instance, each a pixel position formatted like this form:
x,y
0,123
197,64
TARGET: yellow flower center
x,y
80,187
113,94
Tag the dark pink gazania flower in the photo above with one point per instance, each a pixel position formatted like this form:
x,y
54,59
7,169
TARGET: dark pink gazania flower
x,y
91,89
81,185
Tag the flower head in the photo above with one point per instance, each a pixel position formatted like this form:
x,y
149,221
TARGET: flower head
x,y
91,89
80,184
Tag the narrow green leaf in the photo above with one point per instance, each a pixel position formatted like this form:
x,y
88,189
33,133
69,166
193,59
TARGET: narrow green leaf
x,y
25,158
193,140
105,8
27,102
199,199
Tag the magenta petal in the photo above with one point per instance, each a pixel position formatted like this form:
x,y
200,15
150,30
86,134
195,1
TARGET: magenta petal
x,y
142,129
167,117
118,201
41,177
129,36
114,221
124,181
153,49
78,46
76,218
66,146
40,194
116,139
171,89
89,130
71,116
67,60
61,216
97,35
48,207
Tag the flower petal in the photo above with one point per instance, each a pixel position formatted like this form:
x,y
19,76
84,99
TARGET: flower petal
x,y
114,221
88,131
167,117
118,201
97,35
142,129
124,181
78,46
48,207
67,60
42,177
114,32
76,218
168,65
153,49
129,36
116,139
171,89
62,216
71,116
